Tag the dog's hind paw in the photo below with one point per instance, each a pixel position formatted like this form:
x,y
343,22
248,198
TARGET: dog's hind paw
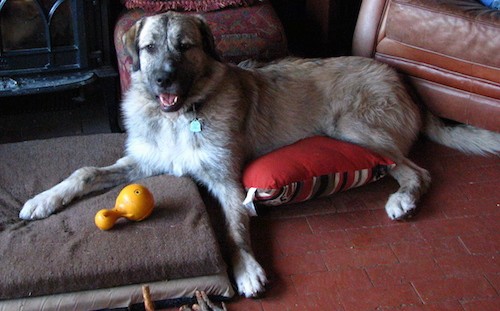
x,y
249,276
400,206
41,206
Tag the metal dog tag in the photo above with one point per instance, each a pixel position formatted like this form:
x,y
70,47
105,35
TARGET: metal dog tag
x,y
195,126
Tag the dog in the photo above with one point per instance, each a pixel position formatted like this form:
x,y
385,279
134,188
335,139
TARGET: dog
x,y
189,114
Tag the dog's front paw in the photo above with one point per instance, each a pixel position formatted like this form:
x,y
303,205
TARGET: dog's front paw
x,y
400,206
41,206
249,276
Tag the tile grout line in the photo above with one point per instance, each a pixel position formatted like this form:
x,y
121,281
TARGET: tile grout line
x,y
491,284
464,245
416,292
368,276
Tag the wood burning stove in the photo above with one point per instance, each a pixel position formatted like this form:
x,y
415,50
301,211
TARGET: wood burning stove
x,y
55,45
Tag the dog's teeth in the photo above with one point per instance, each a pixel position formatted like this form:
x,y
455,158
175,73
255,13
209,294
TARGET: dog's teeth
x,y
175,100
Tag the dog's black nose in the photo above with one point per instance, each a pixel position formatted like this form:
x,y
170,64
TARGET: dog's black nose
x,y
164,78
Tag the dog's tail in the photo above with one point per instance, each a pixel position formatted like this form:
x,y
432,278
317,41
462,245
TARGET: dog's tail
x,y
466,138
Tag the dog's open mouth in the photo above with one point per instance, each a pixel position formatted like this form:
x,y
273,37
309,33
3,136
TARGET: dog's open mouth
x,y
169,102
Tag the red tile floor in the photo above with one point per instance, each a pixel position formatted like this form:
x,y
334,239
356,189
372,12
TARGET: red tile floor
x,y
343,253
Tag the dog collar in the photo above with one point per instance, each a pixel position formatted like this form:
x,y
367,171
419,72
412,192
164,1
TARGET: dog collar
x,y
195,106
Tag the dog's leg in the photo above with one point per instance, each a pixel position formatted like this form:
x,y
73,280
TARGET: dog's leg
x,y
249,276
414,182
81,182
412,179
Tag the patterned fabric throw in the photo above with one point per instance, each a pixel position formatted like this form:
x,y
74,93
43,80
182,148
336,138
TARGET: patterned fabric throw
x,y
156,6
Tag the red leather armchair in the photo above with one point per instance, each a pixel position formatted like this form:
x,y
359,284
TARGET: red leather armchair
x,y
449,49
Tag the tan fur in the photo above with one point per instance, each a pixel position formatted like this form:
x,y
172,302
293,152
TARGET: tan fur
x,y
245,112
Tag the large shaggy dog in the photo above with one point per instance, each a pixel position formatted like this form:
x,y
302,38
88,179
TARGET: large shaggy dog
x,y
187,113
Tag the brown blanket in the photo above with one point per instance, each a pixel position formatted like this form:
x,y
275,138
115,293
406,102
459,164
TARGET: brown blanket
x,y
67,252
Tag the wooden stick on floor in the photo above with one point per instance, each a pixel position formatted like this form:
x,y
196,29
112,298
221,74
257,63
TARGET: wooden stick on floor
x,y
148,303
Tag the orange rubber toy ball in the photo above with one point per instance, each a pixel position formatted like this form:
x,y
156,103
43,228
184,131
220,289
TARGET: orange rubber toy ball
x,y
134,202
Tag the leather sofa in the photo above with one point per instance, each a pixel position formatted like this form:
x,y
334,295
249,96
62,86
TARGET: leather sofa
x,y
448,49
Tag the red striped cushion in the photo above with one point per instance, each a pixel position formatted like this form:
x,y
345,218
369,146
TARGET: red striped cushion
x,y
310,168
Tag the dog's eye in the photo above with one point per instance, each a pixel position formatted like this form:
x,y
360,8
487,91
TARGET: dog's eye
x,y
183,47
150,48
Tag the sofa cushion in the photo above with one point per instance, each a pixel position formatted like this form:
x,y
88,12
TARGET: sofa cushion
x,y
458,36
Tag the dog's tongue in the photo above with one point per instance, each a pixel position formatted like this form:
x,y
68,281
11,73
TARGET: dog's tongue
x,y
168,99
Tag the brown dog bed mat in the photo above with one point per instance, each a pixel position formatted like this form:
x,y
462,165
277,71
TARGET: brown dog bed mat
x,y
65,262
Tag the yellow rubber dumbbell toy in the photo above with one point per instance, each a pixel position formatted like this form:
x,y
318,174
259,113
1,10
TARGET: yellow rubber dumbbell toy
x,y
134,202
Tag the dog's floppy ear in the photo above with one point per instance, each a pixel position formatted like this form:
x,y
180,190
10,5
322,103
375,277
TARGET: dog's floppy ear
x,y
208,39
130,42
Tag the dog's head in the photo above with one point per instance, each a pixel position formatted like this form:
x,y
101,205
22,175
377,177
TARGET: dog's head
x,y
171,51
